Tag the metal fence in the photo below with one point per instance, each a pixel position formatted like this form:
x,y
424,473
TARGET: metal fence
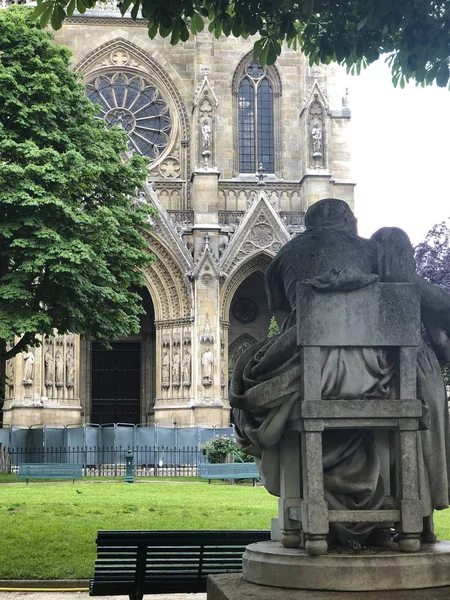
x,y
100,436
110,460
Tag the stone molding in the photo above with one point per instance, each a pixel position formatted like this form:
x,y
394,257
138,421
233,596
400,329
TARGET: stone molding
x,y
269,564
168,286
258,262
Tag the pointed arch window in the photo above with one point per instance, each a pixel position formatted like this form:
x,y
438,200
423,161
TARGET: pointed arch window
x,y
256,121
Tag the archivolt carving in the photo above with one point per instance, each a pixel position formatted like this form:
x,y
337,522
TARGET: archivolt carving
x,y
258,262
168,285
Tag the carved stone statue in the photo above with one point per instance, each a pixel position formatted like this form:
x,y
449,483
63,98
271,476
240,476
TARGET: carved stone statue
x,y
176,368
186,368
206,133
59,369
207,367
265,386
10,373
316,134
70,369
165,370
28,369
49,367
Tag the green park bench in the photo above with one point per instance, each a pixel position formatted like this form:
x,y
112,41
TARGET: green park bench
x,y
229,471
134,563
50,471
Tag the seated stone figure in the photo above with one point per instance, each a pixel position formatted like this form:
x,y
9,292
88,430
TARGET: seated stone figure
x,y
265,386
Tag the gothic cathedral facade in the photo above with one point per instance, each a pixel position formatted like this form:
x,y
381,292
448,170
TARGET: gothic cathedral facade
x,y
238,152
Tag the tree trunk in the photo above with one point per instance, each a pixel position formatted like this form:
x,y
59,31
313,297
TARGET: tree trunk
x,y
2,377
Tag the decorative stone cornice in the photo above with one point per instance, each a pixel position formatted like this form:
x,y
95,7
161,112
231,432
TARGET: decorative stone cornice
x,y
170,323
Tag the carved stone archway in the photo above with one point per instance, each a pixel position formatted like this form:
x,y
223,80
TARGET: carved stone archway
x,y
257,262
167,283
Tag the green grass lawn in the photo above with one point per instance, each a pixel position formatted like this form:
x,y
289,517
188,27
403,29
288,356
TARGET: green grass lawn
x,y
49,530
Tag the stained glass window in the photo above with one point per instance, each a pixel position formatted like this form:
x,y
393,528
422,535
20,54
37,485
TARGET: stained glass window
x,y
255,121
136,106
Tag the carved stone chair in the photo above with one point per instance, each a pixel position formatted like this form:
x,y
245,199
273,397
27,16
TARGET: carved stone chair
x,y
380,315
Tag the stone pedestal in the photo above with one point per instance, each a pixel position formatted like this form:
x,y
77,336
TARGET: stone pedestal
x,y
269,564
234,587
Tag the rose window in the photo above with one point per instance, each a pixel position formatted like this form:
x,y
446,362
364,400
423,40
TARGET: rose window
x,y
136,106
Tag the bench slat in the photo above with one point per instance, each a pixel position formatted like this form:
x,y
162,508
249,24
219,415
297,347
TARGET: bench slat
x,y
151,562
179,538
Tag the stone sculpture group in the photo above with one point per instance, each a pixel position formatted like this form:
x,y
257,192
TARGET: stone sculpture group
x,y
266,386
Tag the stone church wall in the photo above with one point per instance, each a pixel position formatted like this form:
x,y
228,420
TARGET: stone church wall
x,y
218,228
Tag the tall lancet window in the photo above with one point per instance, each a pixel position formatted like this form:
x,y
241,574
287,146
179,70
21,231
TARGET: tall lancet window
x,y
255,121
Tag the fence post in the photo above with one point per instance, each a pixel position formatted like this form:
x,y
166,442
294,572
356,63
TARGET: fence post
x,y
115,448
177,454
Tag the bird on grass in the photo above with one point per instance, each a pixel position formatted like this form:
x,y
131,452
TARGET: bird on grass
x,y
78,492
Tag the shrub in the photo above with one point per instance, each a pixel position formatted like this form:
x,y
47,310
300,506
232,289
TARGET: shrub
x,y
216,448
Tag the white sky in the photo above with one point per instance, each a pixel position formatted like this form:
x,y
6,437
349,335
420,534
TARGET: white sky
x,y
400,153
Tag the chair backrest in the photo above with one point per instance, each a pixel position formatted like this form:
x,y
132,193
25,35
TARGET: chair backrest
x,y
380,314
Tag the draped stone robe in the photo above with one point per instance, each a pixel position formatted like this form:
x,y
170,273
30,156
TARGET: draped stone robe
x,y
266,382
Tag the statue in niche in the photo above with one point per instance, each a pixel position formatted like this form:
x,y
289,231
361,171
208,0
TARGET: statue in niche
x,y
206,135
176,368
9,372
316,134
222,365
49,367
28,369
70,369
265,385
165,370
186,368
207,367
59,369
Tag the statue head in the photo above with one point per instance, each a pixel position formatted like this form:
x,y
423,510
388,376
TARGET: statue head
x,y
330,214
399,262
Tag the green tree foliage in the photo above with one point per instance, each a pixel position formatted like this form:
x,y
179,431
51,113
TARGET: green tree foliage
x,y
414,33
273,327
71,243
433,263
